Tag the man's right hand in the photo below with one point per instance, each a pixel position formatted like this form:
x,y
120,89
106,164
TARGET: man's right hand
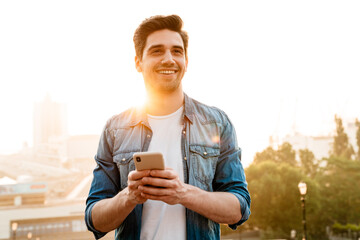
x,y
134,181
109,213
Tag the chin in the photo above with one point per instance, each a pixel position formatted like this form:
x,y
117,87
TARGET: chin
x,y
167,88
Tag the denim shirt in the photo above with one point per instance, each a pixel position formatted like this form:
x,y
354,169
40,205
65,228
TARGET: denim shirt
x,y
211,161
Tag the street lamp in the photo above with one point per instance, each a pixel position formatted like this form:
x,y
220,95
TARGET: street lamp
x,y
303,188
14,226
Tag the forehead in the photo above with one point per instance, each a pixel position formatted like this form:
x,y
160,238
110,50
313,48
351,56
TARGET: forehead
x,y
164,37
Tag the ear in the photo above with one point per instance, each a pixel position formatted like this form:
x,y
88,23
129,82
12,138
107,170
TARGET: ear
x,y
138,64
186,64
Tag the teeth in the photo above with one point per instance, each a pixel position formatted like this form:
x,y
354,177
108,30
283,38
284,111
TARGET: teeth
x,y
167,72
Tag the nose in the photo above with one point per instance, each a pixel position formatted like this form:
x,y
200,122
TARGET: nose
x,y
168,58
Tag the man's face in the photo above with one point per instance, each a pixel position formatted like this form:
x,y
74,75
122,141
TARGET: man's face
x,y
163,64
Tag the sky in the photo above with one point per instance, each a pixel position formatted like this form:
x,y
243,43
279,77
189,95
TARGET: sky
x,y
272,66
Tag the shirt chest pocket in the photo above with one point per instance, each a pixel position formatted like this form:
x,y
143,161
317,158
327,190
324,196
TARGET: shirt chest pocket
x,y
203,165
125,164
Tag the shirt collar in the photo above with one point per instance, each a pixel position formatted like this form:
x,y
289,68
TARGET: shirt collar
x,y
141,116
188,108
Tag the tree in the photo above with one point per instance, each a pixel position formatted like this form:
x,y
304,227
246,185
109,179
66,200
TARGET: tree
x,y
339,181
339,188
358,138
276,207
341,146
269,154
285,154
308,162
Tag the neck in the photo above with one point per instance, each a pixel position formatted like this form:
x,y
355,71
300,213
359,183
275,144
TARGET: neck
x,y
159,104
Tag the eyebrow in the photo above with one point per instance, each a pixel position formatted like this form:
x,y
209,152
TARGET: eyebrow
x,y
161,45
179,47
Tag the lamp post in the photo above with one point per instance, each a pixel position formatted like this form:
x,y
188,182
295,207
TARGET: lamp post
x,y
303,188
14,227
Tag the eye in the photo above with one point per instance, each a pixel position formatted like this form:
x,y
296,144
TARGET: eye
x,y
178,51
156,51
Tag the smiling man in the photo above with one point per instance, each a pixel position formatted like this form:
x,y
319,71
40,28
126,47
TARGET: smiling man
x,y
163,63
204,182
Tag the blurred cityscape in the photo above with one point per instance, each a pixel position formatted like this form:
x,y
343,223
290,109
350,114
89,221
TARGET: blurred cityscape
x,y
43,188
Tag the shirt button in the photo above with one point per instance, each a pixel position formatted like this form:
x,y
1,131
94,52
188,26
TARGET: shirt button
x,y
205,153
123,159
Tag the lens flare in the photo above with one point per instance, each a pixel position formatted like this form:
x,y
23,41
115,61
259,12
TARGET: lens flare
x,y
215,139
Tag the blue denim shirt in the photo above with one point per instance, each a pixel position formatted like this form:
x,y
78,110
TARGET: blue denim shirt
x,y
211,161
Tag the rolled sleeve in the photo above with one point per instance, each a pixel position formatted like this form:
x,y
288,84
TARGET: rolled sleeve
x,y
245,210
105,183
89,224
230,175
230,178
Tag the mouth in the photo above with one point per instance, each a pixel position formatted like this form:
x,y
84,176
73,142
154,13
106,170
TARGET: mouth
x,y
167,72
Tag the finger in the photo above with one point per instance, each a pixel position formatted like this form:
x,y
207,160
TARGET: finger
x,y
158,182
165,199
168,173
150,190
137,175
133,185
152,197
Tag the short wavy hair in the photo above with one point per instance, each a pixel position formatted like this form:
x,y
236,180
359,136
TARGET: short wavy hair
x,y
155,23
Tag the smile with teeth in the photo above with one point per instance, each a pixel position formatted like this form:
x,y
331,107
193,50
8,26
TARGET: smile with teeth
x,y
167,71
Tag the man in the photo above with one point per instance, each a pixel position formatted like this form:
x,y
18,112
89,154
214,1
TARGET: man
x,y
204,182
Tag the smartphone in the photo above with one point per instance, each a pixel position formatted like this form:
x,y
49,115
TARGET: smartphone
x,y
149,160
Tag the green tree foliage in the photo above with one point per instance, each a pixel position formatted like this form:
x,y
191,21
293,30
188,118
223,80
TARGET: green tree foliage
x,y
269,154
340,190
275,196
341,146
333,188
308,162
340,181
285,154
338,228
358,139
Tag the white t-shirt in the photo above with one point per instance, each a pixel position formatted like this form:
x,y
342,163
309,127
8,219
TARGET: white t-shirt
x,y
160,220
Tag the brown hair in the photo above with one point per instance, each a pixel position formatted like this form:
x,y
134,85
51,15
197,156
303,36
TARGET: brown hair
x,y
155,23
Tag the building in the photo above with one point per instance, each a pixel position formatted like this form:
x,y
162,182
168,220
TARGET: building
x,y
50,120
20,194
351,129
46,199
43,190
49,209
321,146
60,219
68,151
